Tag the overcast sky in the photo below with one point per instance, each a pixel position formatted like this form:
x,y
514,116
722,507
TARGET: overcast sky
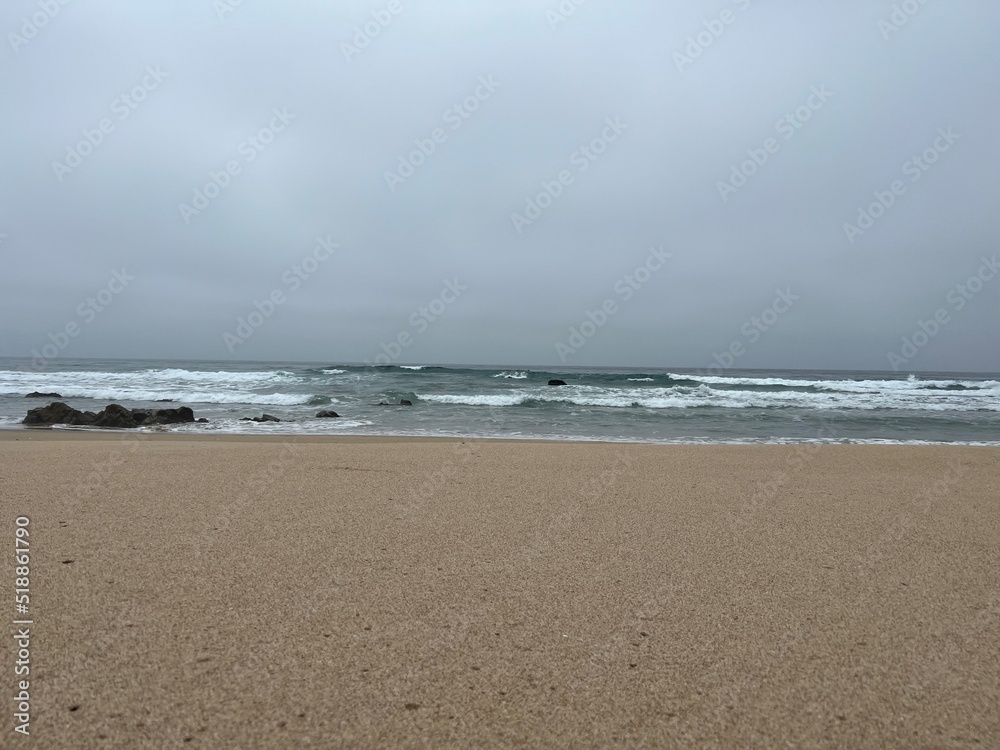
x,y
644,118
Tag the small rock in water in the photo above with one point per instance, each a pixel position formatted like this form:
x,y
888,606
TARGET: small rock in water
x,y
327,414
557,382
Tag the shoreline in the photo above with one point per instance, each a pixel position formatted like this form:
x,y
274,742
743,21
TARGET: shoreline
x,y
13,432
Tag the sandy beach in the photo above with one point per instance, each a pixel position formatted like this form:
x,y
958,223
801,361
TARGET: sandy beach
x,y
239,592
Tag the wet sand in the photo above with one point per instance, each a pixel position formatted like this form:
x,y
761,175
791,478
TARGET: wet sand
x,y
269,592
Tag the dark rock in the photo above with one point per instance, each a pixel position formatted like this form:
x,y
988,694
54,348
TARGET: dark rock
x,y
406,402
557,382
180,415
163,401
382,403
37,394
201,419
261,418
327,414
116,416
58,413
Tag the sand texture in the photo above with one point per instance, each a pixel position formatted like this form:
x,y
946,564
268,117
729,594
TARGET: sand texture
x,y
239,593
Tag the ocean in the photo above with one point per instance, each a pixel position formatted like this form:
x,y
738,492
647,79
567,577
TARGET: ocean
x,y
610,404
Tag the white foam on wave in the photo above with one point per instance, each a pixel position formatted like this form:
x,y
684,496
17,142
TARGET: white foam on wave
x,y
705,396
851,386
334,372
189,397
512,375
733,380
219,376
641,380
476,400
13,381
299,427
184,386
411,367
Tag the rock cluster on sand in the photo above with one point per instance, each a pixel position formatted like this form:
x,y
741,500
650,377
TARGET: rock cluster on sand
x,y
113,415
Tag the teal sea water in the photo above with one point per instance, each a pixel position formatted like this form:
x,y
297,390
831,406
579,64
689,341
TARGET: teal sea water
x,y
613,404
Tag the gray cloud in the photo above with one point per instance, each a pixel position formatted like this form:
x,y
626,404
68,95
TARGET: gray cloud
x,y
558,81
